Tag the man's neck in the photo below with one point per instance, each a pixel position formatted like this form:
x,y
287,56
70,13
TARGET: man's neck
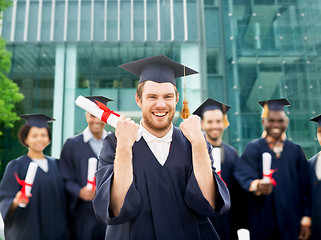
x,y
97,135
156,133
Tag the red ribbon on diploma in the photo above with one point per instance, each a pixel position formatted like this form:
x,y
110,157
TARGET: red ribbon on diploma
x,y
107,111
23,189
219,173
270,176
93,183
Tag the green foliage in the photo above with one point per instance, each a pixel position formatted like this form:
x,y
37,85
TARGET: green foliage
x,y
9,91
4,4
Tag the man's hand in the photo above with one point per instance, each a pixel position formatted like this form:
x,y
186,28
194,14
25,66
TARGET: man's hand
x,y
191,128
126,131
264,188
87,194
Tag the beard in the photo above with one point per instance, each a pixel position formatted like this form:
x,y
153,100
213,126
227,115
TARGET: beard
x,y
149,123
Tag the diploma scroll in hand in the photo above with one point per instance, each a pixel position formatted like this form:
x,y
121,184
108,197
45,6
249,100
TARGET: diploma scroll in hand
x,y
27,183
267,171
102,112
92,167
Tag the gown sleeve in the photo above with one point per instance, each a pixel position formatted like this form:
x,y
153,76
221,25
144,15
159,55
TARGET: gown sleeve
x,y
196,201
104,177
305,189
66,164
8,190
246,169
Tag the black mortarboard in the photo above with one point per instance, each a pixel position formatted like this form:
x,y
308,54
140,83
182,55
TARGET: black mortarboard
x,y
101,99
158,69
211,104
317,119
273,105
37,120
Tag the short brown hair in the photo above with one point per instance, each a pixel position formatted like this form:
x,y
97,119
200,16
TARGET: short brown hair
x,y
140,88
24,131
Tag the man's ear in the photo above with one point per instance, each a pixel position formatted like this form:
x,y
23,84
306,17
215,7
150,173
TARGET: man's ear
x,y
177,98
138,101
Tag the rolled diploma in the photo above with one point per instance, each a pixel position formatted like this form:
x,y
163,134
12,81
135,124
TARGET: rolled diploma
x,y
92,167
216,153
266,158
243,234
30,177
93,109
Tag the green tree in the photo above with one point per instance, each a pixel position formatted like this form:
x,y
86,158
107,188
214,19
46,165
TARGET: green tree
x,y
9,91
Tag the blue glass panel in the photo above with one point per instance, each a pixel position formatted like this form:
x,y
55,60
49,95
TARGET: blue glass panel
x,y
212,26
112,20
165,20
178,20
125,18
20,21
99,20
33,20
72,20
139,20
59,20
152,25
192,20
46,21
6,24
85,22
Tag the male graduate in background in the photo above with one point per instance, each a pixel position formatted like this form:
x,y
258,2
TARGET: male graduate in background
x,y
162,186
282,210
74,167
315,171
214,121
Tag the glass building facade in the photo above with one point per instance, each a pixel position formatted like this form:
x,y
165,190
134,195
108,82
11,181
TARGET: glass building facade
x,y
244,50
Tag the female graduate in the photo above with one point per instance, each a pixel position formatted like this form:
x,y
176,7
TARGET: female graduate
x,y
44,214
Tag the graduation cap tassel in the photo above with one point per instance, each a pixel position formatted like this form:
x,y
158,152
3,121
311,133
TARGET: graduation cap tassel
x,y
265,112
185,111
225,120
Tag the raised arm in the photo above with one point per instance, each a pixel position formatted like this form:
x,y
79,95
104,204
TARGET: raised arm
x,y
126,133
191,128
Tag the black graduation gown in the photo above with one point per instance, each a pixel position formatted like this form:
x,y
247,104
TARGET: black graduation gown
x,y
227,225
45,215
74,167
316,200
278,215
163,202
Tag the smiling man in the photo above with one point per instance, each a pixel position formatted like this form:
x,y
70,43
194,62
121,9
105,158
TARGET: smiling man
x,y
162,186
282,210
214,122
74,167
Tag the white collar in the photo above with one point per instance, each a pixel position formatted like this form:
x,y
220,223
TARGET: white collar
x,y
88,134
148,137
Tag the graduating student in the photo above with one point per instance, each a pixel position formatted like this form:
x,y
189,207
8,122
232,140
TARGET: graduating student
x,y
74,158
162,186
41,215
315,171
279,199
214,121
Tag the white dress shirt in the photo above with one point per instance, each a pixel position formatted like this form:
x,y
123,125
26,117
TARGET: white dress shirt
x,y
42,163
159,146
95,144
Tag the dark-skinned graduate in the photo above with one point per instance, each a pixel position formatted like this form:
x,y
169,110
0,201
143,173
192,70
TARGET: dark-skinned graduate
x,y
162,185
43,213
275,173
315,171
